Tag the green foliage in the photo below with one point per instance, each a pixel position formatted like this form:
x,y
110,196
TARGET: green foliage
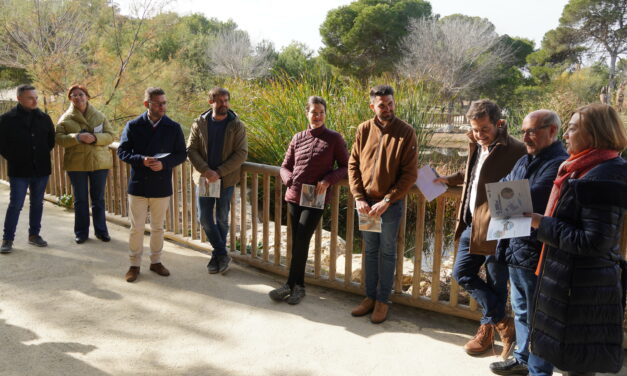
x,y
11,77
66,201
362,38
294,59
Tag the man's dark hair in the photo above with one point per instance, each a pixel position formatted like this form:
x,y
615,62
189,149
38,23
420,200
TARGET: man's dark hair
x,y
483,107
24,87
152,92
316,100
216,92
380,91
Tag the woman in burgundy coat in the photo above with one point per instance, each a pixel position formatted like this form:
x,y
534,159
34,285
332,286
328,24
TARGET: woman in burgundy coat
x,y
310,159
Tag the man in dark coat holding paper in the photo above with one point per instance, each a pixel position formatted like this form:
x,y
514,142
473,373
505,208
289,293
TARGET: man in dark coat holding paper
x,y
545,153
153,144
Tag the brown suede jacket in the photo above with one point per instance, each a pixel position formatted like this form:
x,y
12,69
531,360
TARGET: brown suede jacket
x,y
503,155
383,161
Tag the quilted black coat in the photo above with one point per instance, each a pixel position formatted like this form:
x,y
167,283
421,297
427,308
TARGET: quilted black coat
x,y
579,301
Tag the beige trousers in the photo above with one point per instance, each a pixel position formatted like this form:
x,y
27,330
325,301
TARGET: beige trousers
x,y
138,211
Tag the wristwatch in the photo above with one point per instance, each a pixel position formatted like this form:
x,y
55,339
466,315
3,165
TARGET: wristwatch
x,y
387,200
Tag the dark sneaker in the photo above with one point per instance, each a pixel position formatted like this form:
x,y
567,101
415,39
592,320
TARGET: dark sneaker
x,y
7,246
297,295
509,367
212,266
223,263
37,240
279,294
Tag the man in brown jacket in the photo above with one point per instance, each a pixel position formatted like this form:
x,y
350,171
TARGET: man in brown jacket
x,y
491,156
381,169
217,147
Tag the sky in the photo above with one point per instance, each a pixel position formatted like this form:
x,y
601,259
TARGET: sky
x,y
284,21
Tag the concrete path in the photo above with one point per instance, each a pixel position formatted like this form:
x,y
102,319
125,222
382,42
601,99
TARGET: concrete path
x,y
67,310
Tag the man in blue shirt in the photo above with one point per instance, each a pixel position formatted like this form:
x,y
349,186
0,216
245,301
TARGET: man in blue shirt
x,y
544,156
153,144
217,147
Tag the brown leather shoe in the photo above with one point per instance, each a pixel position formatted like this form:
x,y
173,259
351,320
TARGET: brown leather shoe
x,y
482,342
507,332
380,312
159,269
365,307
132,274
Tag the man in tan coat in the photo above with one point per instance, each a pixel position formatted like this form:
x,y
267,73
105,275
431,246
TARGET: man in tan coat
x,y
491,156
217,147
383,166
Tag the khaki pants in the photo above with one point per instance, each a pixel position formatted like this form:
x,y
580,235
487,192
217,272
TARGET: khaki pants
x,y
138,210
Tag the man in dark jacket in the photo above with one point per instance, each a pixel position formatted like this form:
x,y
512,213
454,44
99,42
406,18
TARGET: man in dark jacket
x,y
26,138
153,145
217,147
544,156
491,155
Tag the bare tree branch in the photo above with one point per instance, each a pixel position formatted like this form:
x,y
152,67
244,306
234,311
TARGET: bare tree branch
x,y
459,53
233,55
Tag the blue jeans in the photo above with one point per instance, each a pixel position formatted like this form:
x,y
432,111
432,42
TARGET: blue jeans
x,y
490,294
381,254
216,224
522,285
37,187
92,184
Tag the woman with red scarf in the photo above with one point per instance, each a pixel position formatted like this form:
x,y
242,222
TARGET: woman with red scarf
x,y
577,318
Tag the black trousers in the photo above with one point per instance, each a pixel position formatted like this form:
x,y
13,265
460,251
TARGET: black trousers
x,y
304,223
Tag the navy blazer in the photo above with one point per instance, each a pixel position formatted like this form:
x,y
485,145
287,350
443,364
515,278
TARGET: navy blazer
x,y
140,140
541,171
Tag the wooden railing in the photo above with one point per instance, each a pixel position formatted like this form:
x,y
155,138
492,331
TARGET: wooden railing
x,y
260,242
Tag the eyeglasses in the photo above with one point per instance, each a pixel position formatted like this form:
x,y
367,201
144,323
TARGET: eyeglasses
x,y
533,131
158,104
79,95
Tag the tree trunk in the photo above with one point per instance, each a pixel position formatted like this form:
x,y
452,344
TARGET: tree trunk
x,y
610,84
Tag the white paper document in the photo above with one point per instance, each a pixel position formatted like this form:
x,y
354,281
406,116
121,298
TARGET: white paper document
x,y
160,155
309,198
431,190
99,128
508,201
369,223
206,189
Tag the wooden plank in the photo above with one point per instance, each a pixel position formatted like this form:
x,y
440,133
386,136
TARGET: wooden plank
x,y
350,233
194,205
175,207
242,206
232,232
288,240
277,220
437,250
254,201
335,210
266,217
421,211
185,183
318,251
400,250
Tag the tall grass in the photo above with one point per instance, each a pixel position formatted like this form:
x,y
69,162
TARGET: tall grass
x,y
274,110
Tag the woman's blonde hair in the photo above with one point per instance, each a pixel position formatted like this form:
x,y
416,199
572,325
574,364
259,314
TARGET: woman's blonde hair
x,y
604,126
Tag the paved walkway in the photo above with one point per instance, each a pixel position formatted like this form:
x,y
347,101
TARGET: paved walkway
x,y
66,310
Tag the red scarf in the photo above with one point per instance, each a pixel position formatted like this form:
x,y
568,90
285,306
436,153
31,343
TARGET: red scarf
x,y
575,167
